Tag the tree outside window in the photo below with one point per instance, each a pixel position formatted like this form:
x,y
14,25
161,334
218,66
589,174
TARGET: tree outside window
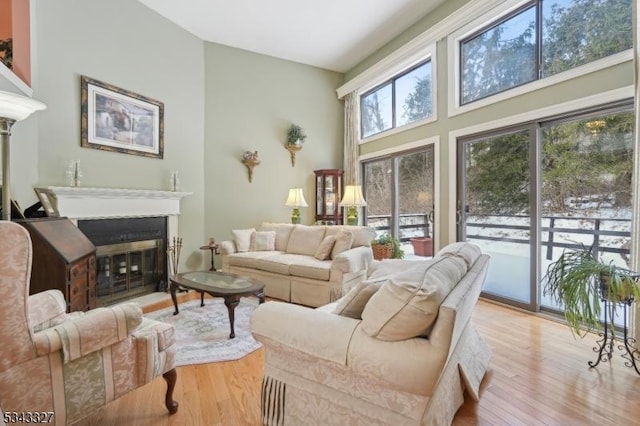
x,y
571,33
404,99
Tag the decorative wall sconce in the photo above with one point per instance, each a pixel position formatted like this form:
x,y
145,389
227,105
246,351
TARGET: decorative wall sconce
x,y
250,159
295,139
292,152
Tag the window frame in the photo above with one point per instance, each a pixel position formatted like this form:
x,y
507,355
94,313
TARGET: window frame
x,y
427,54
529,4
392,81
420,145
488,20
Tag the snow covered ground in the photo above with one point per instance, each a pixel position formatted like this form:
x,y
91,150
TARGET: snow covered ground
x,y
510,250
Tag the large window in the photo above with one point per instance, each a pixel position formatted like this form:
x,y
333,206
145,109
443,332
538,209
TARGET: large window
x,y
402,100
542,38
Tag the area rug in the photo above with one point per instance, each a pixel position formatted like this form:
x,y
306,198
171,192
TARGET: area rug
x,y
202,333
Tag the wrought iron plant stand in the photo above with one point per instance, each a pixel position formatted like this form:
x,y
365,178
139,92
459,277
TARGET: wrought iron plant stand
x,y
609,337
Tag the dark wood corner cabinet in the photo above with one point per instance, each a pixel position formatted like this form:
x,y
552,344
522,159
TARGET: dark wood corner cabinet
x,y
63,259
328,195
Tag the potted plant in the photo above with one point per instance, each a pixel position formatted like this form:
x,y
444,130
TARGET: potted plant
x,y
295,135
386,247
579,282
422,246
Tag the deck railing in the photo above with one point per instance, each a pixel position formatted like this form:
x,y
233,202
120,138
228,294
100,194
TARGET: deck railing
x,y
551,231
411,224
419,224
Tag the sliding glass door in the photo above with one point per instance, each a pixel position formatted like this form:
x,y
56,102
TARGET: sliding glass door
x,y
526,194
585,194
495,210
400,199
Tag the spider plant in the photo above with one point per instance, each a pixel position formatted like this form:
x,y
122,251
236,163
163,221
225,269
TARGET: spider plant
x,y
578,281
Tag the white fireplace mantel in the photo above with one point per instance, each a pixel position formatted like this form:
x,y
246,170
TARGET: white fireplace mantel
x,y
79,203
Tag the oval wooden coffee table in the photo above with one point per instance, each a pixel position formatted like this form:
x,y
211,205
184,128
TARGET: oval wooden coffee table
x,y
217,284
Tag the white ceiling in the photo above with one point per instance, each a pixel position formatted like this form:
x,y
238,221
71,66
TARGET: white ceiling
x,y
330,34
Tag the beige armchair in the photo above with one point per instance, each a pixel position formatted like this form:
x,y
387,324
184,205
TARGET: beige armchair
x,y
71,364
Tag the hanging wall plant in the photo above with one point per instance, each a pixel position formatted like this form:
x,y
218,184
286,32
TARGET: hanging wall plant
x,y
295,139
295,135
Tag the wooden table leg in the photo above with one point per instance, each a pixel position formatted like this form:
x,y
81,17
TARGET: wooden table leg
x,y
231,302
173,287
213,265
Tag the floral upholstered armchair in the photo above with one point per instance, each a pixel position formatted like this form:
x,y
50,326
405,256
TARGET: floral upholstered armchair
x,y
66,366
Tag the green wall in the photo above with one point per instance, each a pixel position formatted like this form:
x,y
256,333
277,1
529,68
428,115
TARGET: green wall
x,y
615,77
251,100
219,101
130,46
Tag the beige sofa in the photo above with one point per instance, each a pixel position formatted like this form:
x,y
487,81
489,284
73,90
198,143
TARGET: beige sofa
x,y
308,265
398,349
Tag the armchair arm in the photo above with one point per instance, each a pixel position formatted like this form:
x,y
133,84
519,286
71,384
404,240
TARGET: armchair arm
x,y
353,260
93,331
46,309
314,332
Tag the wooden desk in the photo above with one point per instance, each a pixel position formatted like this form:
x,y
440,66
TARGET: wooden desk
x,y
63,259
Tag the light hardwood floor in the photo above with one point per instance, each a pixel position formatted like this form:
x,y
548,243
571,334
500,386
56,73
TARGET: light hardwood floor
x,y
538,376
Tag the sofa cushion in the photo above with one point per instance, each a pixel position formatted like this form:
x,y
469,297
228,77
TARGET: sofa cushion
x,y
381,269
283,231
242,238
305,239
310,267
250,259
344,241
323,252
263,241
407,303
352,304
466,251
362,235
278,264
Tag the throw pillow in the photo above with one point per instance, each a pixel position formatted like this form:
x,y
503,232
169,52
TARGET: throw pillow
x,y
362,235
305,239
386,267
344,240
466,251
407,304
242,238
324,249
352,304
283,231
263,241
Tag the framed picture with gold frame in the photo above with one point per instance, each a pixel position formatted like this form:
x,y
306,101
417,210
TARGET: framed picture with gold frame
x,y
115,119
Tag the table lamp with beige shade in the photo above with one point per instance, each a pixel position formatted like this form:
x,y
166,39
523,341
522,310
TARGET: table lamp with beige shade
x,y
296,200
352,199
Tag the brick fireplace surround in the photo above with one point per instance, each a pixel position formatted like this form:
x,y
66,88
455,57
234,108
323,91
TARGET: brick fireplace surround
x,y
88,206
